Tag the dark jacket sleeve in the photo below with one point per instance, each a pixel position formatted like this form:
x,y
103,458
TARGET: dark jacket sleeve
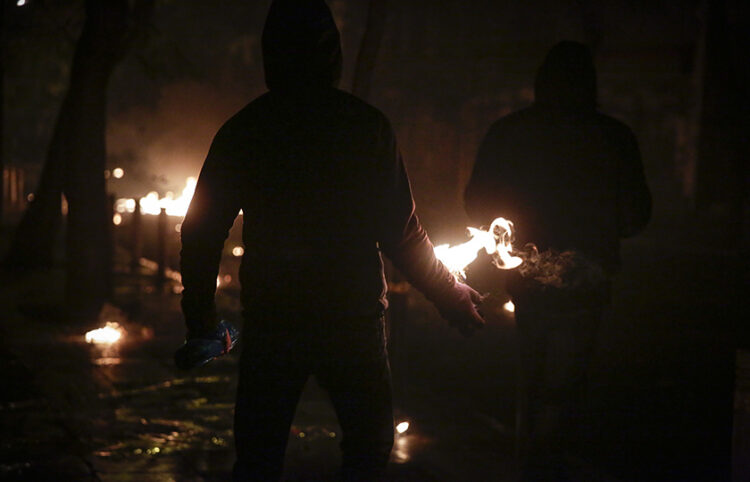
x,y
402,237
633,195
212,211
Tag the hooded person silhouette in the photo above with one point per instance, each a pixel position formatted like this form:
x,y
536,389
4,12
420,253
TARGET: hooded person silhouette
x,y
571,179
323,191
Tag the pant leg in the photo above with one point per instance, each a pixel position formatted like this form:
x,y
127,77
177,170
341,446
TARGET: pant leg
x,y
357,376
558,352
273,372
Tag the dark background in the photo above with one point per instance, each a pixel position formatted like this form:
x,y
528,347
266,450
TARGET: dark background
x,y
669,399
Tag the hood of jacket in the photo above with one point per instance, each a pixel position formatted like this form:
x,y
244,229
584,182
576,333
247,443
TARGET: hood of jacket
x,y
301,46
567,78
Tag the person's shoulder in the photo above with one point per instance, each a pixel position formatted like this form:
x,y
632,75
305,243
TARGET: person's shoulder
x,y
617,132
250,111
511,121
613,125
246,119
351,105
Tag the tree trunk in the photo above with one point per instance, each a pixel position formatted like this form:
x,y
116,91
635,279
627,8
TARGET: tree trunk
x,y
2,110
106,37
76,161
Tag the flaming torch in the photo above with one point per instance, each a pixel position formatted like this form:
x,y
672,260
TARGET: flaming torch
x,y
496,241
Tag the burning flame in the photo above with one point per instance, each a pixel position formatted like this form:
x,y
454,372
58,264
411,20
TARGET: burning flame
x,y
496,241
111,333
153,204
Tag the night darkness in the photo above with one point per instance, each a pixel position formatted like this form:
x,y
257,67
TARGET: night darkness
x,y
104,103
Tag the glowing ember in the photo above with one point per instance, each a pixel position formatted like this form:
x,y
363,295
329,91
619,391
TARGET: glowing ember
x,y
111,333
402,427
496,241
509,307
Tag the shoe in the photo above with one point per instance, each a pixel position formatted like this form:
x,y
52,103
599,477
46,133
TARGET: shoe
x,y
199,351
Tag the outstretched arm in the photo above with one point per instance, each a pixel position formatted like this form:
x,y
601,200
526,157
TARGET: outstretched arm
x,y
212,211
405,242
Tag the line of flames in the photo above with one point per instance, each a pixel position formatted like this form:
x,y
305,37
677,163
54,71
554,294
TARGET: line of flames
x,y
496,240
151,203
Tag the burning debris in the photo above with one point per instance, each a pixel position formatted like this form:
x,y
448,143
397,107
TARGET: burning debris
x,y
560,278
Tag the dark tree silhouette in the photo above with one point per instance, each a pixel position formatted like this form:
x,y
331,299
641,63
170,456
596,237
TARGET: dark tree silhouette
x,y
2,104
76,161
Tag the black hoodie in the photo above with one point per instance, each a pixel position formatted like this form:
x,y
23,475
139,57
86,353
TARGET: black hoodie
x,y
568,176
322,186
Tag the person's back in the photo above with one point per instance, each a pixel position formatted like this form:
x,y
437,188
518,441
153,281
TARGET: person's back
x,y
309,177
568,176
571,180
324,191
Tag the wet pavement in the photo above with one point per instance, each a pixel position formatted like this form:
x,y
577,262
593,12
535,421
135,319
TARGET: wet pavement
x,y
663,403
123,411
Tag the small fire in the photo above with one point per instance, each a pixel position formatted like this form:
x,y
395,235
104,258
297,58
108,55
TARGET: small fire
x,y
111,333
153,204
496,241
509,307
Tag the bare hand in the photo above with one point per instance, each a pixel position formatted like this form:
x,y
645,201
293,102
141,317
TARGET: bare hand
x,y
460,309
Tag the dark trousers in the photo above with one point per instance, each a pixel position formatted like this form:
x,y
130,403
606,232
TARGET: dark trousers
x,y
556,349
349,359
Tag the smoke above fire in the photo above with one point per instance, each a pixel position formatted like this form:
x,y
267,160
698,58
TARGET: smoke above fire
x,y
162,145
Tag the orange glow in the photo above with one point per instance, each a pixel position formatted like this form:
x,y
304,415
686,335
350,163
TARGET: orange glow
x,y
496,241
402,427
118,172
117,219
509,307
238,251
